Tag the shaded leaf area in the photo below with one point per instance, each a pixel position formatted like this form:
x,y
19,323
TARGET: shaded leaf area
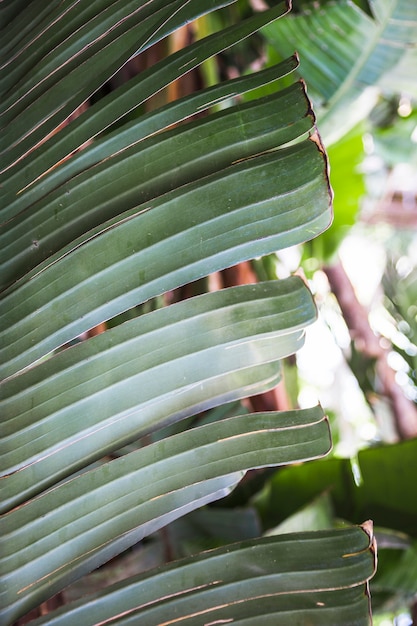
x,y
205,528
126,99
144,374
315,515
202,529
395,583
210,527
70,54
317,578
100,513
388,476
344,51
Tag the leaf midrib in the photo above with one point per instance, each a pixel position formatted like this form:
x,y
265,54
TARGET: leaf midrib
x,y
363,58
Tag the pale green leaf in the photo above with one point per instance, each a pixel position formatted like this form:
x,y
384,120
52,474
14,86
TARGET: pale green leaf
x,y
142,375
343,51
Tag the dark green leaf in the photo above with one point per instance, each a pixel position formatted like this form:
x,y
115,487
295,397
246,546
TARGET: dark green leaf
x,y
144,374
314,578
99,514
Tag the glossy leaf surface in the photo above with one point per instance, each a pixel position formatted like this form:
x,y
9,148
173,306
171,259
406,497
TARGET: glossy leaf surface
x,y
144,374
315,578
105,205
97,515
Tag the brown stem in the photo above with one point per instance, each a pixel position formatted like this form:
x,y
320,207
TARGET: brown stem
x,y
356,317
275,399
43,609
414,614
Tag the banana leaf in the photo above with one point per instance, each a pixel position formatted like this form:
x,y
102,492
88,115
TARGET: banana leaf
x,y
296,578
108,391
105,205
102,512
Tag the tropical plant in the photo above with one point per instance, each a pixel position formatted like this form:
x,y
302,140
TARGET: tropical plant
x,y
105,207
350,58
349,55
364,77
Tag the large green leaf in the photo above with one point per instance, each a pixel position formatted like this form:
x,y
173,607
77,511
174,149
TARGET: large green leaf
x,y
145,206
102,512
48,234
117,183
16,188
189,232
344,51
388,477
307,578
124,99
107,391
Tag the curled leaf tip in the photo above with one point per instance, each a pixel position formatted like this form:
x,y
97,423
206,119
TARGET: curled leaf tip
x,y
368,527
315,137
